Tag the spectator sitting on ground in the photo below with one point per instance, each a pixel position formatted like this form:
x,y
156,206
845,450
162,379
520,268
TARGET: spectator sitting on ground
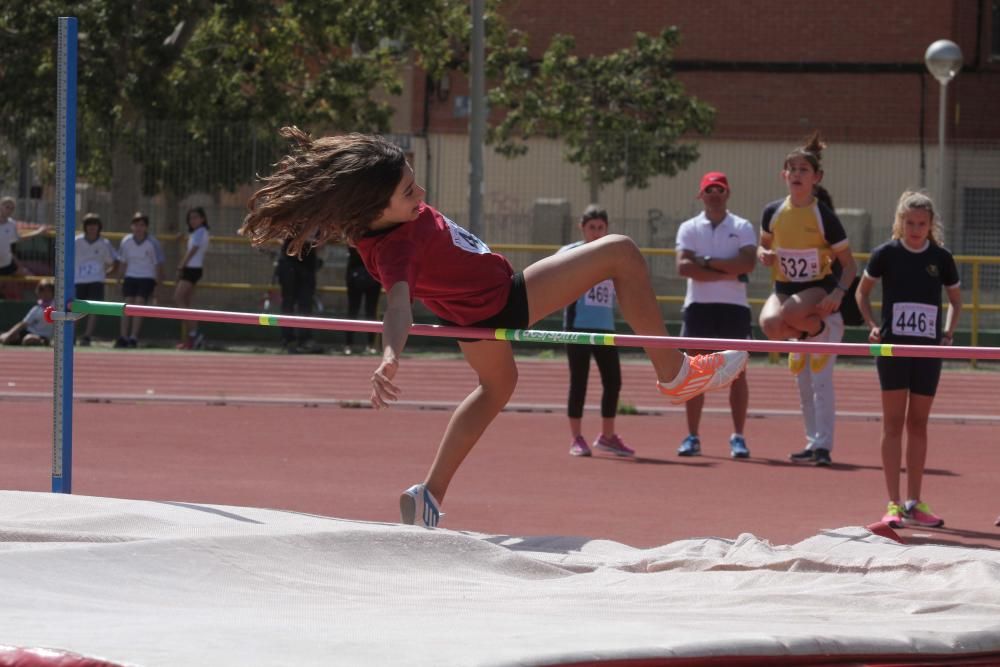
x,y
33,329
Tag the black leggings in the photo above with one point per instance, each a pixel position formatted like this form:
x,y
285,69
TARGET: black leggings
x,y
298,294
355,295
610,368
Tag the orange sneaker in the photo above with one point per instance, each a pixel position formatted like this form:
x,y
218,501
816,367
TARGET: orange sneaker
x,y
706,372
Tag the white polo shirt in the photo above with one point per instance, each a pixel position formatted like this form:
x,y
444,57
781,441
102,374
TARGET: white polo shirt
x,y
140,259
199,238
92,259
35,322
8,236
724,242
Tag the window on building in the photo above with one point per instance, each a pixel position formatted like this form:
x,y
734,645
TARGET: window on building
x,y
995,38
982,215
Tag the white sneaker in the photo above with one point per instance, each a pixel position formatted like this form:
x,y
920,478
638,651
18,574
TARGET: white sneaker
x,y
417,507
706,372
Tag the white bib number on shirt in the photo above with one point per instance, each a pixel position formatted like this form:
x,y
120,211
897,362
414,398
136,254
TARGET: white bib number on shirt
x,y
799,266
601,295
466,240
89,271
914,319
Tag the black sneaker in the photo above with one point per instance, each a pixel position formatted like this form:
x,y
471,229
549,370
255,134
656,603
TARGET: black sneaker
x,y
821,458
122,342
85,341
805,456
133,343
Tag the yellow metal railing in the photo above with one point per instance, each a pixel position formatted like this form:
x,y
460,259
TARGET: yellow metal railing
x,y
975,308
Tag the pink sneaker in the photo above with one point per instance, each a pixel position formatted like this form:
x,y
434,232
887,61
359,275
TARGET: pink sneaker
x,y
613,445
579,447
893,515
921,515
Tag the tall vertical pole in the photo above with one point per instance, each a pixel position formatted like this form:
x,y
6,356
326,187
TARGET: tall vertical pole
x,y
942,112
62,418
477,120
944,61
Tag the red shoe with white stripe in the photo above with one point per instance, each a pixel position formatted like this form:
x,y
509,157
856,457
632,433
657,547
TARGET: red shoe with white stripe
x,y
706,372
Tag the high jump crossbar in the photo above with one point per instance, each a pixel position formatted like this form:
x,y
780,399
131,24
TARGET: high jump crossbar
x,y
80,307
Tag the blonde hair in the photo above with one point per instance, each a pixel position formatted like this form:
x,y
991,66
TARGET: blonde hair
x,y
916,200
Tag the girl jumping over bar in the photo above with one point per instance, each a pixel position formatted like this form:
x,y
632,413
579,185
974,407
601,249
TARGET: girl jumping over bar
x,y
360,189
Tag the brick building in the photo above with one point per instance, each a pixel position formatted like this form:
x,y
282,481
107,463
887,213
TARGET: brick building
x,y
774,71
853,67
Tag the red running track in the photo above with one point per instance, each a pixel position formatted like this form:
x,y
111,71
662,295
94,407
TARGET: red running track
x,y
266,430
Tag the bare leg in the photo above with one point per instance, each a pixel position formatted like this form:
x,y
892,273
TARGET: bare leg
x,y
558,280
493,362
799,310
608,426
183,295
739,401
126,320
771,321
693,409
137,321
916,442
893,419
575,427
695,406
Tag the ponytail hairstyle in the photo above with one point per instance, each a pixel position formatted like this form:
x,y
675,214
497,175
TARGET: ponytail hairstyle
x,y
326,189
917,200
812,152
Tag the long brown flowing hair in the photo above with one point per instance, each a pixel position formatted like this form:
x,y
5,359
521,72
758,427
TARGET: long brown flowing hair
x,y
326,189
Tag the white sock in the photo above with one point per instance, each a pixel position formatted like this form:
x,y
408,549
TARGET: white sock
x,y
910,504
681,375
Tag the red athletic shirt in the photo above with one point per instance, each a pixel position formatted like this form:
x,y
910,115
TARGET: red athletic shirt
x,y
446,267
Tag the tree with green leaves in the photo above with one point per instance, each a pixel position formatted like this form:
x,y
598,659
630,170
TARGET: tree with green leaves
x,y
622,115
163,83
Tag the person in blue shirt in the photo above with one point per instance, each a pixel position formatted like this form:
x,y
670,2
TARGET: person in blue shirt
x,y
594,312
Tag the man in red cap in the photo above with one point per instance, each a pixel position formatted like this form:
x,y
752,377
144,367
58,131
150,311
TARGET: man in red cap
x,y
715,252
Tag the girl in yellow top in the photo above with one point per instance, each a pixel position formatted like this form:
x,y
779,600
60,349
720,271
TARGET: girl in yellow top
x,y
805,244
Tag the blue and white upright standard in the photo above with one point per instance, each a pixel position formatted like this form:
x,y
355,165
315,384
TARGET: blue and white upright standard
x,y
62,422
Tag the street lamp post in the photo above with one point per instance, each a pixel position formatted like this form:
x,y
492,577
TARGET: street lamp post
x,y
943,59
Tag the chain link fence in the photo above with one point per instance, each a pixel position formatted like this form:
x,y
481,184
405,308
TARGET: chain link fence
x,y
534,199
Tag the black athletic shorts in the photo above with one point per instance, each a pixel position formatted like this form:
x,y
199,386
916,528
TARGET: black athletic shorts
x,y
514,314
89,291
919,375
140,287
828,284
716,320
190,274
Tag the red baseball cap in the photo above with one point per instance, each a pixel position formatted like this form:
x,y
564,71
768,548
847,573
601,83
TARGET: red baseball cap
x,y
713,178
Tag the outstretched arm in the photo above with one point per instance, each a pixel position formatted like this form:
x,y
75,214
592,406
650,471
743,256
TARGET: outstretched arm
x,y
396,325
